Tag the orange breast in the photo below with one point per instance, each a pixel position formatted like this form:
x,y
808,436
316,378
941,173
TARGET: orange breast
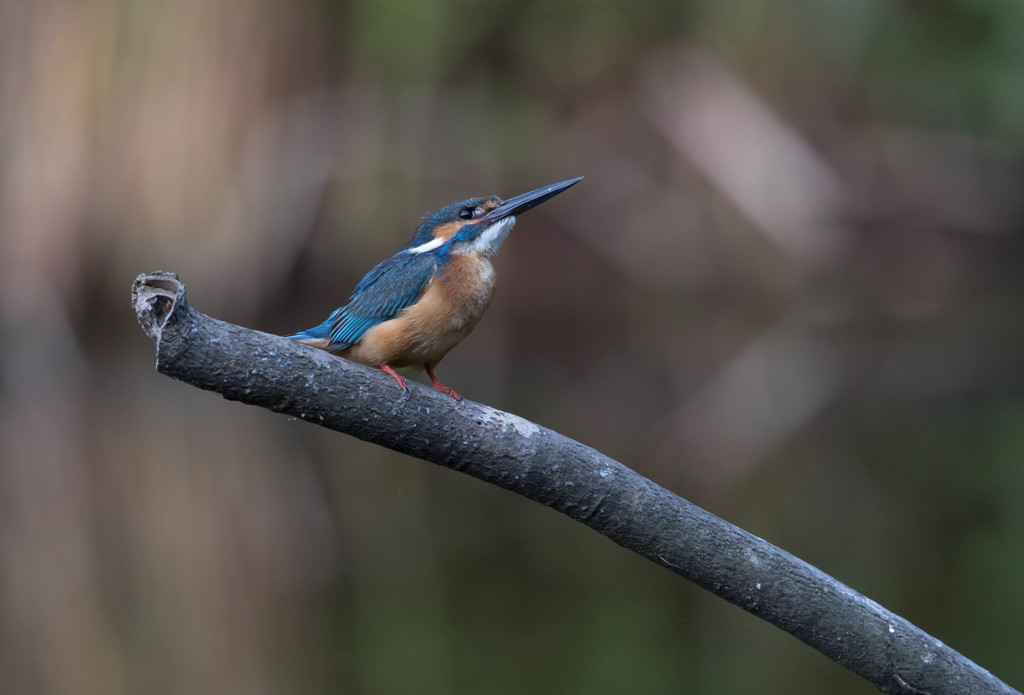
x,y
449,309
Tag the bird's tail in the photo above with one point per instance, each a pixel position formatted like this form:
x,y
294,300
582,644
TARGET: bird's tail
x,y
318,336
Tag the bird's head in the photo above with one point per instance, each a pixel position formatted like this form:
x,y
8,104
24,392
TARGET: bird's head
x,y
478,225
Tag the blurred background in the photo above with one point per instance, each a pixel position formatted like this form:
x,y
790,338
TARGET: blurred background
x,y
790,289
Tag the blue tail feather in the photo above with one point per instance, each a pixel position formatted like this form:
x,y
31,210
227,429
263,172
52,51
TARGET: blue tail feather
x,y
315,333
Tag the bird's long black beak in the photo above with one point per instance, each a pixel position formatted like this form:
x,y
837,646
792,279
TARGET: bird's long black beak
x,y
522,203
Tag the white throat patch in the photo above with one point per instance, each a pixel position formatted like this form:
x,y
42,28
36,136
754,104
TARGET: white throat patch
x,y
490,239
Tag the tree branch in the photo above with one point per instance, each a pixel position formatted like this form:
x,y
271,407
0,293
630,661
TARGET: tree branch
x,y
542,465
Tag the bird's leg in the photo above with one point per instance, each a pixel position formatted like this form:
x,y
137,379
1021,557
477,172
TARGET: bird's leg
x,y
399,379
438,385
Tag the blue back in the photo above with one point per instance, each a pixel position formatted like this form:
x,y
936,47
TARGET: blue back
x,y
387,289
390,287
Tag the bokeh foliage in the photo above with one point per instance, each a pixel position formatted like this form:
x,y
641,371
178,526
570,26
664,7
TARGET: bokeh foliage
x,y
789,289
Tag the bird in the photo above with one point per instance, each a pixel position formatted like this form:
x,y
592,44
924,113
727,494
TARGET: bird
x,y
414,307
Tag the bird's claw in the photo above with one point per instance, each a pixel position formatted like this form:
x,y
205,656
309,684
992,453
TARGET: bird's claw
x,y
399,379
436,383
450,392
406,393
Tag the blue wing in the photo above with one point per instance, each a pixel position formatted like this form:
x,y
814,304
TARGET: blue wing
x,y
387,289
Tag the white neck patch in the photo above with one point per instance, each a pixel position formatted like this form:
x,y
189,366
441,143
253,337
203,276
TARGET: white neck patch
x,y
429,246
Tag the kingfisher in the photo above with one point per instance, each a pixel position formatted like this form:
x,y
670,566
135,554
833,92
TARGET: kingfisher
x,y
411,309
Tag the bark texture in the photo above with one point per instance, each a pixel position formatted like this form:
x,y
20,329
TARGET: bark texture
x,y
503,449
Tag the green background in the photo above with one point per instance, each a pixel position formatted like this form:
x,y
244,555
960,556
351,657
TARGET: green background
x,y
789,289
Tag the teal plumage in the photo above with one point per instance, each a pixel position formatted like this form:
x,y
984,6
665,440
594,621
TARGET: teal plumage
x,y
412,308
390,287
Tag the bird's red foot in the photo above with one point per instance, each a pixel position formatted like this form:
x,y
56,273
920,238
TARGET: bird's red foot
x,y
399,379
438,385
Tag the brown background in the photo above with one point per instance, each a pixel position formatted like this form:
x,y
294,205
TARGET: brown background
x,y
789,289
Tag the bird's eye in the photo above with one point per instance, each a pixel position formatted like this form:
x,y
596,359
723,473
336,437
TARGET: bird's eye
x,y
466,213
